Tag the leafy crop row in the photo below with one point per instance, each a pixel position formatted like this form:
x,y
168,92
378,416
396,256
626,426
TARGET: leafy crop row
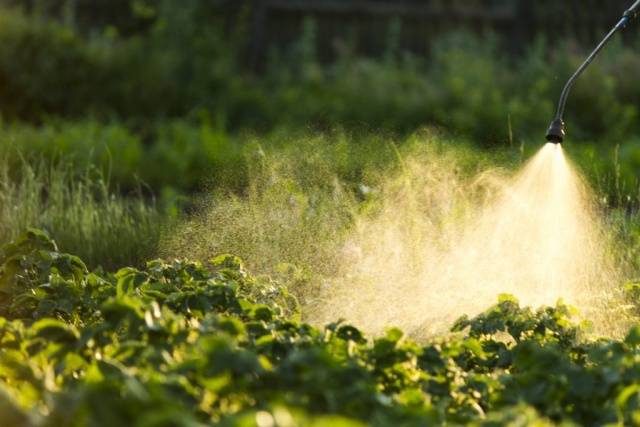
x,y
186,344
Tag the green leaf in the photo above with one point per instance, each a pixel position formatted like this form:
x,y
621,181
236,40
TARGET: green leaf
x,y
227,261
55,330
115,310
129,279
474,346
263,313
394,335
633,336
507,298
626,394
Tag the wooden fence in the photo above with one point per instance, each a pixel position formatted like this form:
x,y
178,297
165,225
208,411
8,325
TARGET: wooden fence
x,y
366,25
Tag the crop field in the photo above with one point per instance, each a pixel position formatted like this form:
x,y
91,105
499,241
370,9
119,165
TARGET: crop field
x,y
182,343
191,236
316,324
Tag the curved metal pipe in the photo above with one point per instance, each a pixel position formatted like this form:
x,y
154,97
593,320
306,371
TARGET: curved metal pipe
x,y
565,92
556,132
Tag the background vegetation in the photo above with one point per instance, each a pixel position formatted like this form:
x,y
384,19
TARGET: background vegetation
x,y
163,101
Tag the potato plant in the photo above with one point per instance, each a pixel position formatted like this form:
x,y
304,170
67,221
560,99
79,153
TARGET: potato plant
x,y
187,344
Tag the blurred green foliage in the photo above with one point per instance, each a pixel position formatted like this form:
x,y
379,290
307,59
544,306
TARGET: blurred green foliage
x,y
188,62
165,99
177,154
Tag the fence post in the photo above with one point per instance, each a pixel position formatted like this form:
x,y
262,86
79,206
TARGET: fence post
x,y
523,24
259,18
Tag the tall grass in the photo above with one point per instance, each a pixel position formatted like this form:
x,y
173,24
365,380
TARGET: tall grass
x,y
79,210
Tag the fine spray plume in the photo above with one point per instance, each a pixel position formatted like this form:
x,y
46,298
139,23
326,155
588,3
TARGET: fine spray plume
x,y
556,131
447,242
442,234
435,253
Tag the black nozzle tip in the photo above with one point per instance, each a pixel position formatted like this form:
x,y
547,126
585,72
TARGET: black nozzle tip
x,y
556,134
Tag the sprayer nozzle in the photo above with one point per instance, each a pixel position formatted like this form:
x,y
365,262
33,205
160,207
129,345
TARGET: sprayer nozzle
x,y
556,133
